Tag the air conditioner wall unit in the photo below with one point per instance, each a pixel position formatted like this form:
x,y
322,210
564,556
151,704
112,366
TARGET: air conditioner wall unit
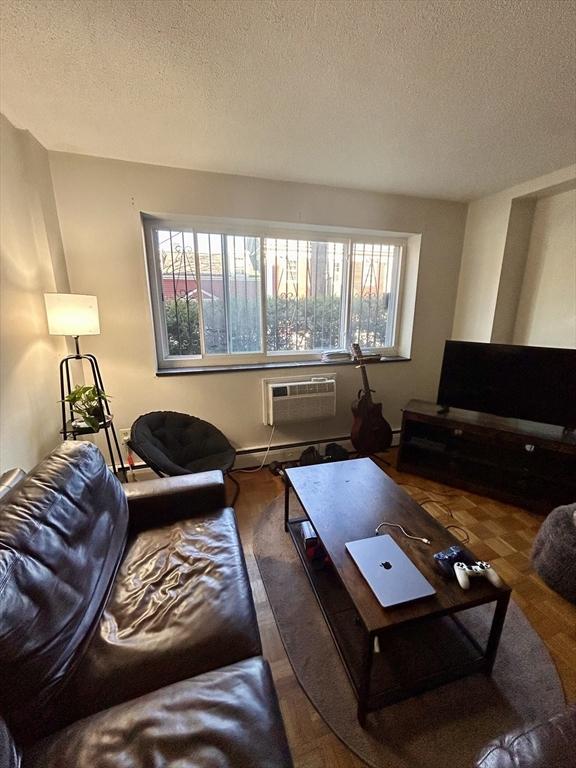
x,y
294,401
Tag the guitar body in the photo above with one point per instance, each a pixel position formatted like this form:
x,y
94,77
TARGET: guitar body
x,y
371,433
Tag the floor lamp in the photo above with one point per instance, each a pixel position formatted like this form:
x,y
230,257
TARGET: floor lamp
x,y
73,314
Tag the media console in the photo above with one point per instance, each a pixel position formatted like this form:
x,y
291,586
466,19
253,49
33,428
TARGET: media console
x,y
520,462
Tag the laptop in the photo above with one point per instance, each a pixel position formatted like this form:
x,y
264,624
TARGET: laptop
x,y
390,574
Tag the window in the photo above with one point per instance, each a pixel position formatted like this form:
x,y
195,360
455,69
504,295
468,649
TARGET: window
x,y
236,294
304,295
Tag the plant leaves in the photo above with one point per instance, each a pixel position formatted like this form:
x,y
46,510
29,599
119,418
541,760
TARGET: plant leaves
x,y
92,422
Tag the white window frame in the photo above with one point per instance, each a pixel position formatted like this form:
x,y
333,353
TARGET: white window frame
x,y
262,230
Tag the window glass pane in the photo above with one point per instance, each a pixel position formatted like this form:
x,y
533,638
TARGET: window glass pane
x,y
373,282
243,267
179,291
304,294
210,257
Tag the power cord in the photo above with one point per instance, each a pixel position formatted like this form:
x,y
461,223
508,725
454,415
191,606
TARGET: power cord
x,y
408,535
429,500
257,469
466,537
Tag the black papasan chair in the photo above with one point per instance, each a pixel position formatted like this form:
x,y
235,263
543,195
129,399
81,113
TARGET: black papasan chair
x,y
179,444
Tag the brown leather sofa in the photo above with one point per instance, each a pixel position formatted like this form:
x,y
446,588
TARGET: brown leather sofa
x,y
550,744
128,633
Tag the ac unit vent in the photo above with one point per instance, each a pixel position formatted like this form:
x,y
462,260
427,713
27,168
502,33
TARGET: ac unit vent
x,y
292,401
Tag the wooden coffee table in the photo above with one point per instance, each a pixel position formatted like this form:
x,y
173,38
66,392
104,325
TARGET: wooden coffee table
x,y
389,653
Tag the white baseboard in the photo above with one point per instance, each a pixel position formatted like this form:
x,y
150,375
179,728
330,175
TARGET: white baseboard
x,y
253,457
287,453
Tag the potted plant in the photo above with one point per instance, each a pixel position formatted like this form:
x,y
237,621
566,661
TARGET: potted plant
x,y
88,404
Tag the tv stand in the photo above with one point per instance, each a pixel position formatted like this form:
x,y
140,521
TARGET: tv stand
x,y
521,462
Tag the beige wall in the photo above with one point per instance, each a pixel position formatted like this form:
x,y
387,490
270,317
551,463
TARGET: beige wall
x,y
547,308
512,270
31,262
482,253
486,236
99,203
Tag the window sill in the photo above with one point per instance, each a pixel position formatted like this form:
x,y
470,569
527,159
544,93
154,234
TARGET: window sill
x,y
237,367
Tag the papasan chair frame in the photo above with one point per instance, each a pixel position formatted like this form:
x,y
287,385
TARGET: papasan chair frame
x,y
173,443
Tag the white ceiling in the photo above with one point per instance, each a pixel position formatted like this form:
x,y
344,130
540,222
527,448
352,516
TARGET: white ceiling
x,y
441,98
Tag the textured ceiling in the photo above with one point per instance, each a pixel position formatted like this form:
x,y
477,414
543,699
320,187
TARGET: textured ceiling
x,y
443,98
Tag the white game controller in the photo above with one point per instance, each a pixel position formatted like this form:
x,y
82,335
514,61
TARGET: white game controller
x,y
479,568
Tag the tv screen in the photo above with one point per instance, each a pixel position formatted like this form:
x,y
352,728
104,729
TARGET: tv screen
x,y
532,383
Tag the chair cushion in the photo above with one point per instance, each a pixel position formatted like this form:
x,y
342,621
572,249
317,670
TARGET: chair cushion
x,y
222,460
181,605
62,535
176,443
223,719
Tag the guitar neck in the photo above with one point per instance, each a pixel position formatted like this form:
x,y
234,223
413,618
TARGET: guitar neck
x,y
358,356
367,393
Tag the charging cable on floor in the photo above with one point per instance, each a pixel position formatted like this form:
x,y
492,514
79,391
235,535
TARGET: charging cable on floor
x,y
408,536
257,469
466,536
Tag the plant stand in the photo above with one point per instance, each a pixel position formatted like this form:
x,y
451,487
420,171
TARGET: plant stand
x,y
70,429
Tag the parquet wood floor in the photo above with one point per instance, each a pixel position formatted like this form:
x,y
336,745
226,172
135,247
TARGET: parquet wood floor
x,y
498,532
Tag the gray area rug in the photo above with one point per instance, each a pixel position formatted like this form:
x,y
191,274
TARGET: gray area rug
x,y
433,730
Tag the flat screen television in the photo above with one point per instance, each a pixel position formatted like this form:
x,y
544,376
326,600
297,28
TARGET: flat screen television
x,y
532,383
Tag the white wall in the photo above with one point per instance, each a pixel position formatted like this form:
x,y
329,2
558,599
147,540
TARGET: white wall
x,y
482,253
512,270
99,203
31,262
487,226
547,308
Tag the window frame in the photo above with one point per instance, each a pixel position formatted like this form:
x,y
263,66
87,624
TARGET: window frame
x,y
262,230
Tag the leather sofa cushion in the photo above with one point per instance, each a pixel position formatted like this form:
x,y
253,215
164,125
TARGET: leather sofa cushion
x,y
223,719
181,605
62,535
550,744
9,752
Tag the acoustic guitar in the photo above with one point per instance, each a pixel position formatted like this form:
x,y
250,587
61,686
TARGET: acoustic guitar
x,y
370,430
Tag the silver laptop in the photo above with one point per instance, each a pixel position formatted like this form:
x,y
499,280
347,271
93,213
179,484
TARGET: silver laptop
x,y
391,575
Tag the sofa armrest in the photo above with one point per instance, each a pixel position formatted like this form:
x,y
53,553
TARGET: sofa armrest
x,y
9,481
153,503
549,744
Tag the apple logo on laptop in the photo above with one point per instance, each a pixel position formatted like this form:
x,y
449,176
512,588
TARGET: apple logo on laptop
x,y
386,565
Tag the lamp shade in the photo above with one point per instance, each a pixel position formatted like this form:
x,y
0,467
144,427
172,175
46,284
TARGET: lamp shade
x,y
72,314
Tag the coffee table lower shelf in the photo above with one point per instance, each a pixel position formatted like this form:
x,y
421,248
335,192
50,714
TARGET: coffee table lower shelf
x,y
412,658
